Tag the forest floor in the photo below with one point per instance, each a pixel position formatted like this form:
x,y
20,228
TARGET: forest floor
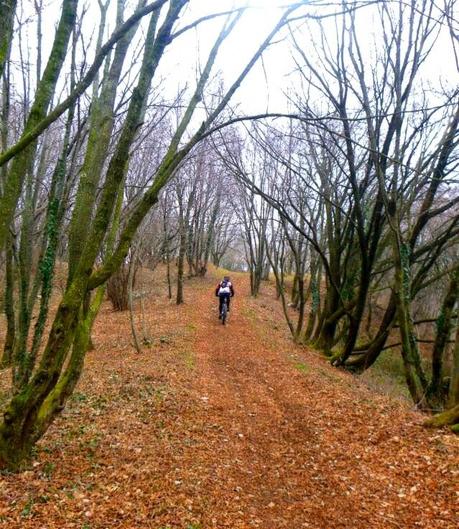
x,y
231,426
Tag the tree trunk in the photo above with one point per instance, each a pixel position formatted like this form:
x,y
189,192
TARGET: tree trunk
x,y
437,390
453,397
131,302
101,123
44,94
414,375
168,268
9,307
7,11
356,318
326,336
181,266
372,351
447,418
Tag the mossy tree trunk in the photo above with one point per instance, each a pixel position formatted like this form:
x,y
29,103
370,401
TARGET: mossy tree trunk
x,y
414,373
57,206
7,12
34,407
437,391
329,321
30,412
8,301
368,353
29,286
453,397
314,287
450,417
101,123
23,162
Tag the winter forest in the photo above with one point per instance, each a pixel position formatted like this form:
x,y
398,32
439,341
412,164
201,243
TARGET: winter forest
x,y
308,150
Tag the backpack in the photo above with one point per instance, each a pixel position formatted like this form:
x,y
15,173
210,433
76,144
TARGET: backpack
x,y
225,287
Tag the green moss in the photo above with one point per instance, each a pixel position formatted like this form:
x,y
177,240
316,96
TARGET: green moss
x,y
387,375
79,397
48,469
189,359
300,366
28,508
23,160
406,270
315,295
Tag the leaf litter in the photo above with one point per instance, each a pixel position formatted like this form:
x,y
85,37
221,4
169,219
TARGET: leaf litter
x,y
229,427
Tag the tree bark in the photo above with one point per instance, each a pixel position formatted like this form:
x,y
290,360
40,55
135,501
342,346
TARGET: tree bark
x,y
453,397
8,348
7,11
45,91
437,390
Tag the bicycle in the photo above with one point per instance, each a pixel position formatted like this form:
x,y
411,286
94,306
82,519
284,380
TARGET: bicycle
x,y
224,311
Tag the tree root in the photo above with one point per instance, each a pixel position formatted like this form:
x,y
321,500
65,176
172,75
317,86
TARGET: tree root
x,y
446,418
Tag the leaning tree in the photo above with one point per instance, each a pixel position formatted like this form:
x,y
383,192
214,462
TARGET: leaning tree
x,y
102,141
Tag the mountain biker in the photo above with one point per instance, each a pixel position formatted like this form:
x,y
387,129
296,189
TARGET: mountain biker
x,y
224,290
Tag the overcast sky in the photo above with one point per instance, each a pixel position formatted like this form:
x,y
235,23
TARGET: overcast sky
x,y
270,79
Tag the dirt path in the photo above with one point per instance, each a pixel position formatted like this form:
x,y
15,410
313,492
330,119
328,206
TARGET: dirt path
x,y
229,427
287,444
291,447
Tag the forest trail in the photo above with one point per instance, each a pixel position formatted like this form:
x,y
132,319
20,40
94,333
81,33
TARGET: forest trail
x,y
290,445
229,427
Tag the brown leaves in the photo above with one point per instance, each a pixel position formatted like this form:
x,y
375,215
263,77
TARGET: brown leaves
x,y
216,427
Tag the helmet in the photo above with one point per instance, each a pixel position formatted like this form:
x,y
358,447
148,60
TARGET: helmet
x,y
226,278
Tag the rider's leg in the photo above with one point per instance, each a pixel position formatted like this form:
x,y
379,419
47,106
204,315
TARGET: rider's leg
x,y
220,299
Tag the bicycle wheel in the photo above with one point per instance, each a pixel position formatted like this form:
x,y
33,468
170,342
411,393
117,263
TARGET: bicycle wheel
x,y
224,312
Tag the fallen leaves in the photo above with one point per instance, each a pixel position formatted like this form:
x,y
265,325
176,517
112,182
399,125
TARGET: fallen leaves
x,y
216,427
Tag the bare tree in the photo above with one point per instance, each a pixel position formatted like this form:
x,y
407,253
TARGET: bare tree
x,y
99,239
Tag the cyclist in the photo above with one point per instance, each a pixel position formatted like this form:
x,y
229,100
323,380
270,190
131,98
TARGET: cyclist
x,y
224,290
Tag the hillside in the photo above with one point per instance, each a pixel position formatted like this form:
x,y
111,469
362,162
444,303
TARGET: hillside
x,y
215,427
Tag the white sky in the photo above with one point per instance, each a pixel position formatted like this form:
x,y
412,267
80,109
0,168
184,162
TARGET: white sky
x,y
266,84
